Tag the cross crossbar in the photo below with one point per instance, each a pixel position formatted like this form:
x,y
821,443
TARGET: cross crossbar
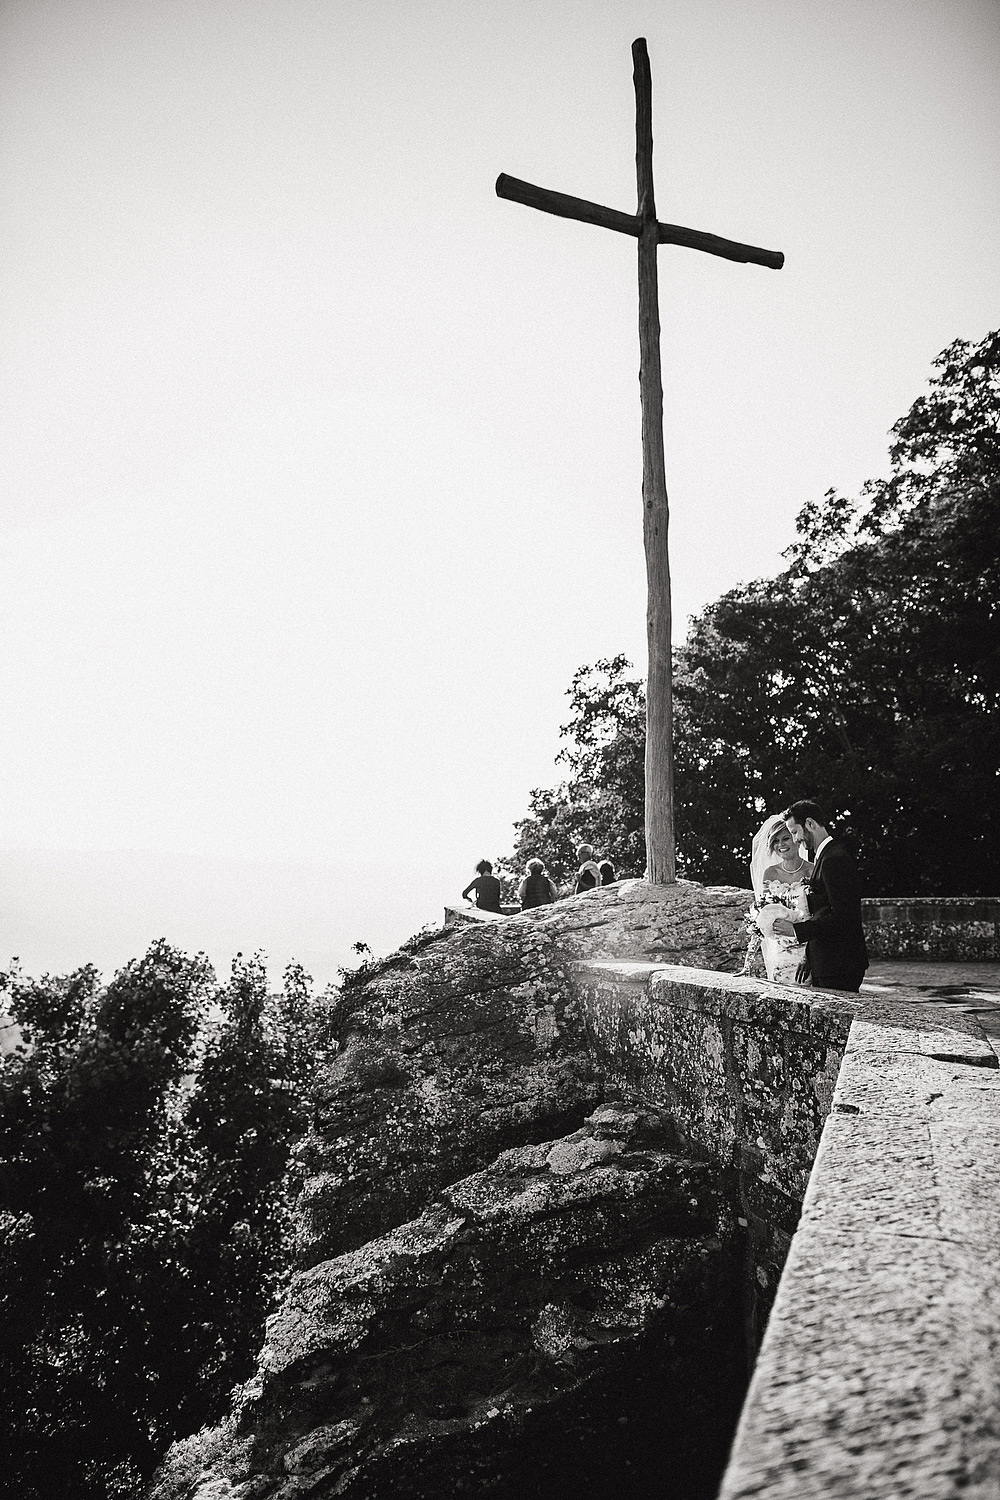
x,y
567,207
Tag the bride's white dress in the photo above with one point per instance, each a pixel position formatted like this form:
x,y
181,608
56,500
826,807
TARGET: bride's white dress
x,y
782,956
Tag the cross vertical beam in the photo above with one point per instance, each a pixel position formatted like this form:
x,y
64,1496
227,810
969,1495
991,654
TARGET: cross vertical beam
x,y
643,225
661,860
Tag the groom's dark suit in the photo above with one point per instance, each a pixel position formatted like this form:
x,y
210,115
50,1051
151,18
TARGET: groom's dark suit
x,y
833,932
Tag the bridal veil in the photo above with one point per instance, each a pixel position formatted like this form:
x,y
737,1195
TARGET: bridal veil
x,y
761,857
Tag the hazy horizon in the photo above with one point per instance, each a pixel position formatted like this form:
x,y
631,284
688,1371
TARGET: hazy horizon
x,y
62,909
322,471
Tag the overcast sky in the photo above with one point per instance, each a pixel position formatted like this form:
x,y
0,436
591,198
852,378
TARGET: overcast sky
x,y
321,464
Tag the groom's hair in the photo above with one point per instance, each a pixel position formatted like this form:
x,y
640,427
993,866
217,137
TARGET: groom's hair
x,y
799,811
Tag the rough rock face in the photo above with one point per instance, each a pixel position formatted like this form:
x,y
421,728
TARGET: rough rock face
x,y
472,1042
482,1307
564,1323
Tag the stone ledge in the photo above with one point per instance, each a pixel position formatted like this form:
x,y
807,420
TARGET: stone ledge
x,y
879,1371
461,916
878,1376
677,986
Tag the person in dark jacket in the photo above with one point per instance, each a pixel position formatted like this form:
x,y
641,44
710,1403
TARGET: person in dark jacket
x,y
536,889
607,869
486,887
836,954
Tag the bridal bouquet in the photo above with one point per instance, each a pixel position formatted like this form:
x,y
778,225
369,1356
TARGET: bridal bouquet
x,y
776,900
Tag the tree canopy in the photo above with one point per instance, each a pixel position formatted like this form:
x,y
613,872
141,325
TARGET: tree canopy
x,y
865,675
146,1185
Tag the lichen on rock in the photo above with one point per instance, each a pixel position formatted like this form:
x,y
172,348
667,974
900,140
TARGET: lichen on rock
x,y
502,1271
473,1041
500,1342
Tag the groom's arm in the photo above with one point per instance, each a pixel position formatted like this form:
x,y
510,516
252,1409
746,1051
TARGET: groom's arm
x,y
842,911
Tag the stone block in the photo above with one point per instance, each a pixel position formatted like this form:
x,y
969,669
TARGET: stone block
x,y
878,1375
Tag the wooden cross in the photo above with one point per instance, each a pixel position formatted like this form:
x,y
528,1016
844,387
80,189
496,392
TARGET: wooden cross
x,y
643,226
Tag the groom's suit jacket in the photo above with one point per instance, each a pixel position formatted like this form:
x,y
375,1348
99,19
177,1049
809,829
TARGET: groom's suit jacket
x,y
833,932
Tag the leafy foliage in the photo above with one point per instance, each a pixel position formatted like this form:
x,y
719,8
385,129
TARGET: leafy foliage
x,y
866,676
601,802
145,1131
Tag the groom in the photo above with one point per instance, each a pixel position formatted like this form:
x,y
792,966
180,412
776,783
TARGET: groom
x,y
836,952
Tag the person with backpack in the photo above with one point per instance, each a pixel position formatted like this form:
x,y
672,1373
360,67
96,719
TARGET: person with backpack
x,y
536,889
589,874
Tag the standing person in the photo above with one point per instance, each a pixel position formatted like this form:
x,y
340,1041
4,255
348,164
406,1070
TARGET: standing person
x,y
607,869
836,954
486,887
588,875
780,879
536,889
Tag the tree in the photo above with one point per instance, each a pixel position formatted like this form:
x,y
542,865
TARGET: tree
x,y
865,675
601,803
145,1133
81,1113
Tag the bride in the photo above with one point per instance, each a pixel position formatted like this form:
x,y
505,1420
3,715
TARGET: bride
x,y
780,878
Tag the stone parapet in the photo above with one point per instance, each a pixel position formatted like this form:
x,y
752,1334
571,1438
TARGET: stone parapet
x,y
964,929
879,1371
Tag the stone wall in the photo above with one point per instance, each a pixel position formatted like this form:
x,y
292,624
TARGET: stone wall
x,y
963,929
745,1076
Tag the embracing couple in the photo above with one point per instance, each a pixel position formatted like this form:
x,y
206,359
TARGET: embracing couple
x,y
807,902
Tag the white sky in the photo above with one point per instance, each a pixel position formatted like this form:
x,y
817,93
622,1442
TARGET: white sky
x,y
321,464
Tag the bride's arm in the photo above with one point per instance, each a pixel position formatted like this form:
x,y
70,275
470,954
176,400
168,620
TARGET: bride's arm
x,y
753,949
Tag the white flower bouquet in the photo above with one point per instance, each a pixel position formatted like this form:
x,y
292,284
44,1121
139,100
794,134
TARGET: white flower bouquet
x,y
777,900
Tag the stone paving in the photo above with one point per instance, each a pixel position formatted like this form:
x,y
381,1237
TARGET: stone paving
x,y
973,989
946,983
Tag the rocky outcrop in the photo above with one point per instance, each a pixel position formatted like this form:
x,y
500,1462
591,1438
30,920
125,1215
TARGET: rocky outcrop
x,y
564,1323
471,1041
501,1276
